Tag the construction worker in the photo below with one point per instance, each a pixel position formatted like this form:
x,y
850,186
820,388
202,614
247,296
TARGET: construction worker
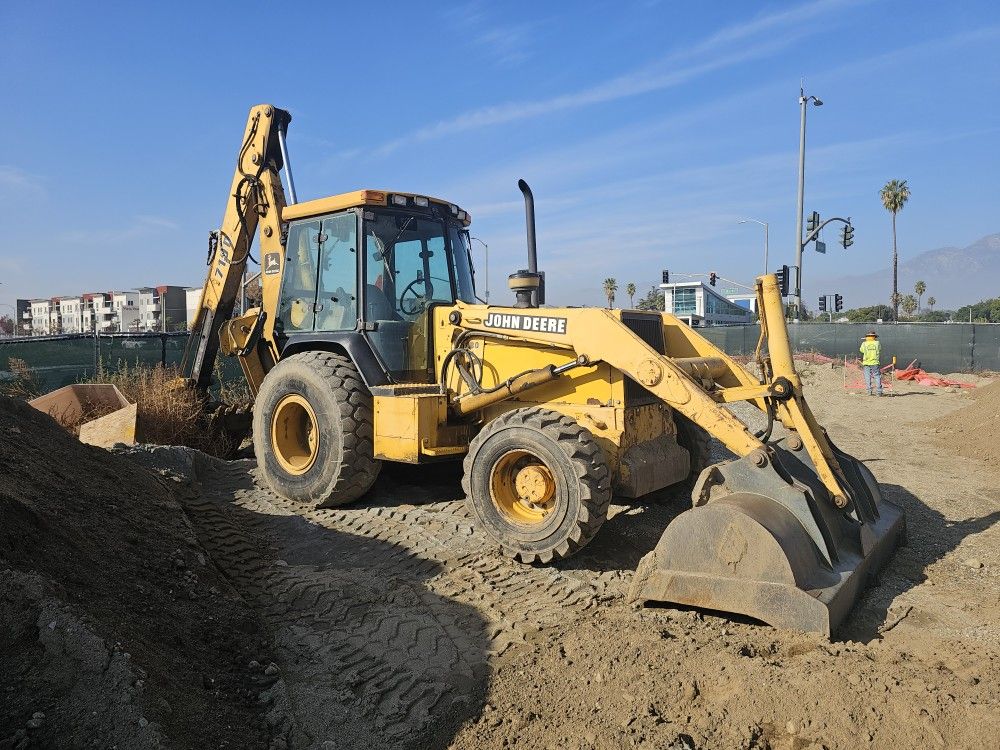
x,y
871,360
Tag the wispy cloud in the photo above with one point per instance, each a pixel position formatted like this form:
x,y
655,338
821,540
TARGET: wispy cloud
x,y
683,216
16,180
141,227
730,46
501,43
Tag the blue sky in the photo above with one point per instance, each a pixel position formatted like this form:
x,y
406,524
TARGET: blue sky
x,y
646,129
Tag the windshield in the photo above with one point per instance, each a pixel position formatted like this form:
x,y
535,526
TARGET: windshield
x,y
411,262
409,265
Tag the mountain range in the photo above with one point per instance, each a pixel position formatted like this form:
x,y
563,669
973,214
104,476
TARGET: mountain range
x,y
954,277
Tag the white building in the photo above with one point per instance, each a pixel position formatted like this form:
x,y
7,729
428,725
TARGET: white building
x,y
98,311
193,298
41,317
125,307
159,308
698,305
70,314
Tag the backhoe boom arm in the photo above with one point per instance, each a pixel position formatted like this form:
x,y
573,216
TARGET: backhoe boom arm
x,y
256,196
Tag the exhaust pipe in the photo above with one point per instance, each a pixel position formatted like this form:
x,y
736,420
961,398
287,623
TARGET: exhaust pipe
x,y
538,294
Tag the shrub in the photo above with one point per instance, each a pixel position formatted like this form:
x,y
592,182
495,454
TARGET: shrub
x,y
24,384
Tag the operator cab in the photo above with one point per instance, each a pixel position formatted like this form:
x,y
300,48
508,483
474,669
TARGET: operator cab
x,y
415,254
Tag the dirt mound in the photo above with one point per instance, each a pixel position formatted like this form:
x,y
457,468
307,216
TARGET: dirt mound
x,y
974,431
117,629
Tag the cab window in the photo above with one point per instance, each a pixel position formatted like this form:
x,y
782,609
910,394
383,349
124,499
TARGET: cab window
x,y
319,290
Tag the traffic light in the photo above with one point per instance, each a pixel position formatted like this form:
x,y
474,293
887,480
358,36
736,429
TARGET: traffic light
x,y
822,303
712,277
782,275
666,277
838,302
813,222
847,236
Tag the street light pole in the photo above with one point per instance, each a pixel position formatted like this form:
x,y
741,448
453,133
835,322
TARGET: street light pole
x,y
800,207
486,269
763,224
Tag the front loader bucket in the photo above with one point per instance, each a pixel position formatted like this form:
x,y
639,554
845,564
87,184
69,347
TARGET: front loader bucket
x,y
768,542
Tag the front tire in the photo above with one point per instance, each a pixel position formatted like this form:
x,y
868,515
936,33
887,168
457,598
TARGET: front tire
x,y
313,430
538,483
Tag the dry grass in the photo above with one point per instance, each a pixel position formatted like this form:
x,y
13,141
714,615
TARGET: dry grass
x,y
24,384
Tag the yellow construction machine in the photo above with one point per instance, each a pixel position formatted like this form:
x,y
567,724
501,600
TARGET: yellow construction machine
x,y
370,345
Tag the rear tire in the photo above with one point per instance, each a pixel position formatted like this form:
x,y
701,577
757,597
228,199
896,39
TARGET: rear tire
x,y
538,483
313,430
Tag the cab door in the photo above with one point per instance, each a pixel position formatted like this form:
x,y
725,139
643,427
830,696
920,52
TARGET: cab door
x,y
319,291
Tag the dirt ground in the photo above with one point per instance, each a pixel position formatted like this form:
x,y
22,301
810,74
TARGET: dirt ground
x,y
393,623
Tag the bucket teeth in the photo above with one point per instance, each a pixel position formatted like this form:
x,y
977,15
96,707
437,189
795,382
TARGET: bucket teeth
x,y
768,542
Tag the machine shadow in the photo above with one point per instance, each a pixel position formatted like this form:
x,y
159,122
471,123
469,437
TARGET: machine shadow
x,y
930,537
414,484
634,528
368,655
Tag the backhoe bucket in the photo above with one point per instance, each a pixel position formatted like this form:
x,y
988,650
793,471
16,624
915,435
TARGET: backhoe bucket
x,y
765,539
102,414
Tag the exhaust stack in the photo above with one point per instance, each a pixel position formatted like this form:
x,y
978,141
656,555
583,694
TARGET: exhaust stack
x,y
528,284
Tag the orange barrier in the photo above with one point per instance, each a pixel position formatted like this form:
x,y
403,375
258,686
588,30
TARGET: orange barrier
x,y
917,375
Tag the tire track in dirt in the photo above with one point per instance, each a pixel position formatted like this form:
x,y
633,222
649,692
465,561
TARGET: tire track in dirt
x,y
439,543
365,655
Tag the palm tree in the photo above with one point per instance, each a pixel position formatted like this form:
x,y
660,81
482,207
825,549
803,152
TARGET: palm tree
x,y
630,291
931,302
920,287
909,304
894,196
610,287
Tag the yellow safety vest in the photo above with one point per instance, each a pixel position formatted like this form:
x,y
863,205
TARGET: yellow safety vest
x,y
871,352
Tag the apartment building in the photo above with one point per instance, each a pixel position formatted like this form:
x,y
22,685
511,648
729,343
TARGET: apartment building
x,y
23,307
97,311
41,317
152,308
125,314
70,314
163,308
193,299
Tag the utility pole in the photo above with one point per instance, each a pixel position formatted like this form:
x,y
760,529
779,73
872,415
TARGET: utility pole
x,y
803,103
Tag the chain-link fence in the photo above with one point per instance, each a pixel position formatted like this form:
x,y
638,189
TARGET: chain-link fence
x,y
56,361
957,347
939,347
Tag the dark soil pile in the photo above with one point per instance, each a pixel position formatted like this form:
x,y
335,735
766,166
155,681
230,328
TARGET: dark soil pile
x,y
115,627
974,431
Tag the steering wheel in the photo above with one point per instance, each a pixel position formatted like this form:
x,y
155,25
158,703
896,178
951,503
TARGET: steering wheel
x,y
419,302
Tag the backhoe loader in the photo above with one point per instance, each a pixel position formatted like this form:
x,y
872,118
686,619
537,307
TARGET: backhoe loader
x,y
370,345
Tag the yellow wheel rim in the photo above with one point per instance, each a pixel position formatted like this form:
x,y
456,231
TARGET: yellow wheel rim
x,y
522,488
294,434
